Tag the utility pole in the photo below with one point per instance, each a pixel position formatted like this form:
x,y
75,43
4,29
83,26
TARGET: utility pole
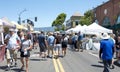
x,y
19,21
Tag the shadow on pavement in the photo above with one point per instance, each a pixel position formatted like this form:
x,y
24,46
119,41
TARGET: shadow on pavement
x,y
18,58
36,52
115,63
3,67
100,66
17,70
39,59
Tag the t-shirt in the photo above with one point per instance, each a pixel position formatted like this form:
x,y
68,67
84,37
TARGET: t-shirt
x,y
80,37
51,40
58,39
12,42
41,39
25,44
107,46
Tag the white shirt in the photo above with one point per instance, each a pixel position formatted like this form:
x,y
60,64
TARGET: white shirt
x,y
12,43
26,44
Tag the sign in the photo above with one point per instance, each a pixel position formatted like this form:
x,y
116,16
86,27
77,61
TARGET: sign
x,y
2,52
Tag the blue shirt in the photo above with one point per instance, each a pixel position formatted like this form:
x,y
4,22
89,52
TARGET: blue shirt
x,y
107,46
51,40
41,39
80,37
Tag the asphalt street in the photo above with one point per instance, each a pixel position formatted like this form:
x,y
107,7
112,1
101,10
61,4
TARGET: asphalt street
x,y
86,61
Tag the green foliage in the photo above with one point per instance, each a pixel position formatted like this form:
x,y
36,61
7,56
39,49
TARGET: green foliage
x,y
87,19
59,21
63,27
6,29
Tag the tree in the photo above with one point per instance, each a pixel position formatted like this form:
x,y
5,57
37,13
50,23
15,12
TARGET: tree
x,y
87,19
58,22
6,29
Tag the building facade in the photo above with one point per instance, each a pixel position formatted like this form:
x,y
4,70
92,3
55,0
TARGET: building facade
x,y
108,13
73,21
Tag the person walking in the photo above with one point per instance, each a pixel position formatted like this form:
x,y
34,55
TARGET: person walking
x,y
42,44
79,41
35,41
118,49
106,51
51,42
58,44
26,46
64,44
13,44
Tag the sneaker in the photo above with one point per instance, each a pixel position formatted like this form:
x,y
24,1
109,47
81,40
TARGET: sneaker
x,y
112,66
48,56
118,62
8,68
56,56
81,51
15,64
22,68
11,61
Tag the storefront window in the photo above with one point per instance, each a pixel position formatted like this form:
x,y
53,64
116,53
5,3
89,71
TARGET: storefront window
x,y
106,21
118,20
76,22
96,21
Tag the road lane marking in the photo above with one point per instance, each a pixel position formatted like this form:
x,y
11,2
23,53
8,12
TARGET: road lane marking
x,y
56,66
60,65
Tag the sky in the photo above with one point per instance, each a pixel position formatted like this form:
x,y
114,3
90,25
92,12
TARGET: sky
x,y
45,10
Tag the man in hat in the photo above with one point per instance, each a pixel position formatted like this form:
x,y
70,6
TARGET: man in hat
x,y
13,42
51,42
106,51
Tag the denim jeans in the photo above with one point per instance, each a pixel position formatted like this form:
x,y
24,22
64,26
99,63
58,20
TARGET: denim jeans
x,y
107,64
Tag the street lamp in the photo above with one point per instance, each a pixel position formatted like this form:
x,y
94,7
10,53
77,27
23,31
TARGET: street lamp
x,y
20,16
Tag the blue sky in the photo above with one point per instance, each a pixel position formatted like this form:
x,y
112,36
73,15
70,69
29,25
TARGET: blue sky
x,y
45,10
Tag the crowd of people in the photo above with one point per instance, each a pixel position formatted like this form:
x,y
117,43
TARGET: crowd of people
x,y
53,45
24,42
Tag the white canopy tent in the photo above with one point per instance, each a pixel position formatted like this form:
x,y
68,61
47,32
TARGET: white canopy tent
x,y
96,28
77,29
69,30
19,26
1,22
37,32
6,22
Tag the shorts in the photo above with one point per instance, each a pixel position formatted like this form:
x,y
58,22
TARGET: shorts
x,y
27,55
64,44
42,48
117,49
11,53
57,46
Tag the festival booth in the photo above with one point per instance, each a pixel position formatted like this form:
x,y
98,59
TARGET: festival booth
x,y
70,30
18,26
77,29
7,23
35,32
95,28
2,46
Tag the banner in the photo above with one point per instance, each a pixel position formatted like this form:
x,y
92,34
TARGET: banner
x,y
2,52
